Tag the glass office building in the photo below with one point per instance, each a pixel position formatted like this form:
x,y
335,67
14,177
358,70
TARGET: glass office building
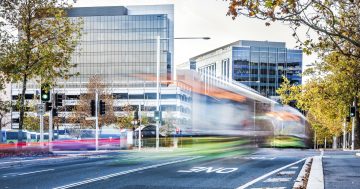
x,y
258,64
119,43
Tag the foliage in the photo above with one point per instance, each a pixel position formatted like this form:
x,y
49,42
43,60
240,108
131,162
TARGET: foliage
x,y
327,96
37,41
83,108
335,23
125,120
169,124
5,107
144,119
287,91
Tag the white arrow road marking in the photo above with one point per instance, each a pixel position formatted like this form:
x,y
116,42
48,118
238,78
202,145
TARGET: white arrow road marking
x,y
268,174
287,173
27,173
277,180
123,173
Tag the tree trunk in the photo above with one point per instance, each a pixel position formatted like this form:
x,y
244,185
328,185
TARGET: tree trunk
x,y
357,123
22,108
334,144
1,135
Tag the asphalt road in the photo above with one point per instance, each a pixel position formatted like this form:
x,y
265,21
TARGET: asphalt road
x,y
262,168
341,170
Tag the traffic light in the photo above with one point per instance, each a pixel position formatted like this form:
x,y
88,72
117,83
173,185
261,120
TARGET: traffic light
x,y
92,104
157,115
136,115
59,99
45,93
102,107
48,106
54,112
352,111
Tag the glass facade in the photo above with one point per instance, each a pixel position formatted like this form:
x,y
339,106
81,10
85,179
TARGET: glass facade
x,y
262,68
258,64
121,48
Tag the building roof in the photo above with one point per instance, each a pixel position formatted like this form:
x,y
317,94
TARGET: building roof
x,y
246,43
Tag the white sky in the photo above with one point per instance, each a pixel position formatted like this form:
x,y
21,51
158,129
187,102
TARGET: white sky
x,y
207,18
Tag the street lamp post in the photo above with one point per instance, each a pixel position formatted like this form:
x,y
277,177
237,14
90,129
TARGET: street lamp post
x,y
158,40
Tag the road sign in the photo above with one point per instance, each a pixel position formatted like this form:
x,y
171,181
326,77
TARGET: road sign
x,y
40,109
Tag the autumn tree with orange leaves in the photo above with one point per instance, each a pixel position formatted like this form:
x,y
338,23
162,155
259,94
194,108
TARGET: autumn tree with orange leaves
x,y
83,108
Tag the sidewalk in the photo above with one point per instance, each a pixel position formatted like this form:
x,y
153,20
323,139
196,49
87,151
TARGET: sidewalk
x,y
340,169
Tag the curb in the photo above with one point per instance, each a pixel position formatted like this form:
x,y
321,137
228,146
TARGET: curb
x,y
357,154
299,182
316,177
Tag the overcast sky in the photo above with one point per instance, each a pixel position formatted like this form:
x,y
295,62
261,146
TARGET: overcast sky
x,y
195,18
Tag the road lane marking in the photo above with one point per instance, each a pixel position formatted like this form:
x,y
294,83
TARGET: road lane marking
x,y
256,158
42,159
124,173
221,170
295,167
268,174
27,173
286,173
270,188
277,180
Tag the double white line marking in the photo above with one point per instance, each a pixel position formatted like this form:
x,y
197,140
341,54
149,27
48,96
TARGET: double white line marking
x,y
124,173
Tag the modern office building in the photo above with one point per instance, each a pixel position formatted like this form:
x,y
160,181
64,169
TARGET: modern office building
x,y
119,45
257,64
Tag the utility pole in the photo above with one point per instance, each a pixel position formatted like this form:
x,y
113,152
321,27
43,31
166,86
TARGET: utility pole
x,y
353,129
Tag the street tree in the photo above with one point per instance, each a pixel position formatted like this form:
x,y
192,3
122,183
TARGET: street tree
x,y
5,107
82,110
331,25
37,40
169,124
124,121
323,97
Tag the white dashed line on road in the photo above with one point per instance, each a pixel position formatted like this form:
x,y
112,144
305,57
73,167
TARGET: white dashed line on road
x,y
124,173
286,173
268,174
277,180
295,167
27,173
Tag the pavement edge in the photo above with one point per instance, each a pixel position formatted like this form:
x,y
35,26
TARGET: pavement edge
x,y
316,177
299,182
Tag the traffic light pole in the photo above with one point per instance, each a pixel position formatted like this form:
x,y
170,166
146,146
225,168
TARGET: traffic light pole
x,y
41,129
139,127
51,119
96,121
157,88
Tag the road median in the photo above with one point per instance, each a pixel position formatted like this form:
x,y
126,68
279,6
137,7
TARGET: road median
x,y
316,177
